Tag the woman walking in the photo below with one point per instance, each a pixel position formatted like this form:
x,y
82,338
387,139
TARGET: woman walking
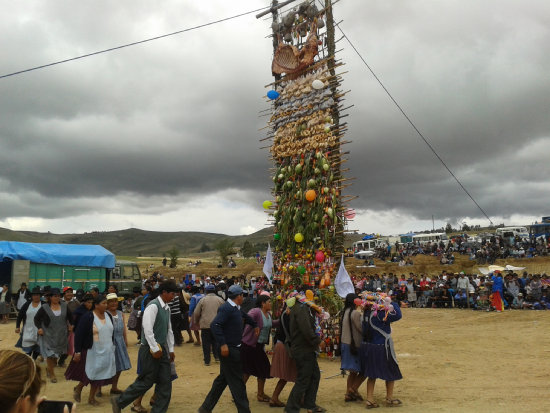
x,y
54,323
350,339
254,360
5,298
121,341
282,366
94,358
29,334
377,355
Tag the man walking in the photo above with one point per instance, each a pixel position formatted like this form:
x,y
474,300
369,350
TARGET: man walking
x,y
303,346
204,313
227,328
155,354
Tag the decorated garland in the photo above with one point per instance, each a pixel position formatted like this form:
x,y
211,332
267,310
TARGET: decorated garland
x,y
308,211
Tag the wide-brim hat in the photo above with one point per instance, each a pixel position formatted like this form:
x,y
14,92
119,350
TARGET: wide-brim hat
x,y
113,296
36,290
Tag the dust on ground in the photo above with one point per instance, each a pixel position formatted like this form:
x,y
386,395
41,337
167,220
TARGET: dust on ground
x,y
452,360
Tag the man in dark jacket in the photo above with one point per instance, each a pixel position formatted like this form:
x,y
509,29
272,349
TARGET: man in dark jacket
x,y
227,328
304,343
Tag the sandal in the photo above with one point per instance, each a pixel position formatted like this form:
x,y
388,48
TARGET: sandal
x,y
278,403
138,409
264,398
358,396
317,409
372,405
350,397
393,402
94,402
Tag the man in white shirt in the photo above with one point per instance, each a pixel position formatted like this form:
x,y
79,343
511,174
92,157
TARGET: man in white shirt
x,y
155,354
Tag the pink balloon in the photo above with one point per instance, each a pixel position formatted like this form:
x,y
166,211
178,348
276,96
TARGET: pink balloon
x,y
319,256
350,213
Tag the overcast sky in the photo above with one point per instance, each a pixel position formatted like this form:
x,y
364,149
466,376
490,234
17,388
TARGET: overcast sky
x,y
164,135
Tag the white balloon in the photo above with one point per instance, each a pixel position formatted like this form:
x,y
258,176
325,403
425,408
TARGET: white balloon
x,y
317,84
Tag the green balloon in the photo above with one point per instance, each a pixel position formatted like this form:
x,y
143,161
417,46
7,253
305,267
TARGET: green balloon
x,y
276,237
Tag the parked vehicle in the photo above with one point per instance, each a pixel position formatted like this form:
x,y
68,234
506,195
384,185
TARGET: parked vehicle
x,y
366,248
507,232
435,237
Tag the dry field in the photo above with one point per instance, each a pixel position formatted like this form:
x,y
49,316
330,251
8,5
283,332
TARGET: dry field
x,y
451,360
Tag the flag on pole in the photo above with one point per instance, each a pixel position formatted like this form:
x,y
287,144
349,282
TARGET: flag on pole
x,y
342,282
268,264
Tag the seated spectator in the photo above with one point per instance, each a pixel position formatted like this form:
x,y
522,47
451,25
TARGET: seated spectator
x,y
461,299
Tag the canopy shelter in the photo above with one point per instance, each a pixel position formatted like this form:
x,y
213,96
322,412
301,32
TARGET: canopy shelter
x,y
60,254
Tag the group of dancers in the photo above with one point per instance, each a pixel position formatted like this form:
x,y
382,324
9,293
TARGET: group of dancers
x,y
54,326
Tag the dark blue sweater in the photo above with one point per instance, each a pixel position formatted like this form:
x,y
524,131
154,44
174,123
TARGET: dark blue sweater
x,y
227,326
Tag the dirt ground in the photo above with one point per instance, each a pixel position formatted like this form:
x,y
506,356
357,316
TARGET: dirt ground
x,y
451,360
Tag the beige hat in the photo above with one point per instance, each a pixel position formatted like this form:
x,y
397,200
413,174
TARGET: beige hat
x,y
186,297
113,296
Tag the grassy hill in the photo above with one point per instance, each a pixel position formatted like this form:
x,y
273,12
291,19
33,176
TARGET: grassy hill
x,y
137,242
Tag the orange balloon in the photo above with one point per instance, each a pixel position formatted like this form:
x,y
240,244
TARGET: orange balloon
x,y
311,195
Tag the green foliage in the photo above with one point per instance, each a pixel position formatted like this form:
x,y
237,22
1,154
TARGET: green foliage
x,y
204,247
247,249
225,248
448,228
173,254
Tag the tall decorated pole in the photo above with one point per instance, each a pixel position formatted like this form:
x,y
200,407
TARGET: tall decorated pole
x,y
305,131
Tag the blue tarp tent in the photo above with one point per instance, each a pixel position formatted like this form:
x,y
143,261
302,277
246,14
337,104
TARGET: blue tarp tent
x,y
367,237
60,254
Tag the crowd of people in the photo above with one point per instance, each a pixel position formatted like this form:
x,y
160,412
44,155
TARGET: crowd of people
x,y
232,319
484,250
460,290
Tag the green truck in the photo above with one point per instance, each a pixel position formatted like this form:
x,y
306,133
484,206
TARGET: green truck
x,y
65,265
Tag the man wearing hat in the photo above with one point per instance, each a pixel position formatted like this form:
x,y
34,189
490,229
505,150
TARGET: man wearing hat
x,y
29,334
155,353
204,313
227,328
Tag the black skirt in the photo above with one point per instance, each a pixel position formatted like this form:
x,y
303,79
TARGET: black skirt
x,y
255,361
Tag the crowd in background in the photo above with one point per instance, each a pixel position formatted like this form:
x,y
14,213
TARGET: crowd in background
x,y
484,250
460,290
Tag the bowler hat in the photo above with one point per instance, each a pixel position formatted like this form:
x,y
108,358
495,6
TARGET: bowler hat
x,y
36,290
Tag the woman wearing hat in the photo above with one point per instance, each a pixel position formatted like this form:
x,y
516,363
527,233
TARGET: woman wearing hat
x,y
94,358
29,334
120,339
377,355
54,322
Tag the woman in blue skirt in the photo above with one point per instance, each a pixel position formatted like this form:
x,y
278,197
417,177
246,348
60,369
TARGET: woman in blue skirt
x,y
350,340
377,355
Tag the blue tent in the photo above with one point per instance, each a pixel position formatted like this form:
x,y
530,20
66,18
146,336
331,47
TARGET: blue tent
x,y
367,237
60,254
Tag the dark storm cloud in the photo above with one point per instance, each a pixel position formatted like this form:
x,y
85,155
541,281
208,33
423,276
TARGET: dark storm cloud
x,y
177,118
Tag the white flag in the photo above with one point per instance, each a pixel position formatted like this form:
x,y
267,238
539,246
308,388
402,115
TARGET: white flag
x,y
268,264
342,282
